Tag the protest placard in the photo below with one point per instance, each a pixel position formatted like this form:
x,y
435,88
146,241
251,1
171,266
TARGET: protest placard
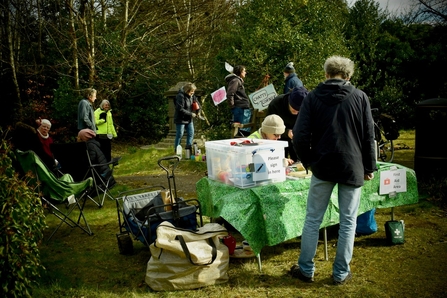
x,y
219,95
261,98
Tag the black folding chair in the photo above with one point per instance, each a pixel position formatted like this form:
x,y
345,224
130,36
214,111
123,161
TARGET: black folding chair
x,y
74,158
55,191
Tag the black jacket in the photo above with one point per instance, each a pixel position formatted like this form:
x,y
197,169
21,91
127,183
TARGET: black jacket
x,y
280,106
334,133
183,107
236,95
98,157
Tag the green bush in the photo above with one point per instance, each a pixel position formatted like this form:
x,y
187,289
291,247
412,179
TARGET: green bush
x,y
65,106
21,223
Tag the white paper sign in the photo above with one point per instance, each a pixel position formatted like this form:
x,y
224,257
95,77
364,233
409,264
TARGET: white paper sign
x,y
267,165
261,98
393,181
219,95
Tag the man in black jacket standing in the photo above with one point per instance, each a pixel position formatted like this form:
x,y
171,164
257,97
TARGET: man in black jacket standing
x,y
334,137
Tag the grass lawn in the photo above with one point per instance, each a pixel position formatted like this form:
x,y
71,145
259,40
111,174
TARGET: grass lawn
x,y
78,265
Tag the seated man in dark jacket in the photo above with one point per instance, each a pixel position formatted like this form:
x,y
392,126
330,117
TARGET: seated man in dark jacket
x,y
96,155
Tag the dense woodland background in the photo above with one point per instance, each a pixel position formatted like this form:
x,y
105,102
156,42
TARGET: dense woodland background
x,y
133,51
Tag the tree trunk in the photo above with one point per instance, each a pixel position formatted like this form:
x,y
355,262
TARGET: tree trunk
x,y
74,50
12,36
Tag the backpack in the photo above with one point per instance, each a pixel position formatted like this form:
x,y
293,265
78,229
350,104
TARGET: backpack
x,y
390,128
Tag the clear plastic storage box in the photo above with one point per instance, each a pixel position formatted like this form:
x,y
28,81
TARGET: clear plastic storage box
x,y
246,162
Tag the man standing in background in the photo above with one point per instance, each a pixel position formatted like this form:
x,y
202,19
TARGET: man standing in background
x,y
290,78
86,114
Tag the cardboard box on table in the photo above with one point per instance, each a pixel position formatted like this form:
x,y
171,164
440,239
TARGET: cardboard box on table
x,y
246,162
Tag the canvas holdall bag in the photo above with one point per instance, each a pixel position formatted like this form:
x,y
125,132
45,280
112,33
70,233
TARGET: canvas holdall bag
x,y
394,231
184,259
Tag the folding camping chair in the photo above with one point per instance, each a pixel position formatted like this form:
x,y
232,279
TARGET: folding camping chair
x,y
54,191
75,160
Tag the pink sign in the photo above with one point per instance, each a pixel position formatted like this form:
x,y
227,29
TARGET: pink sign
x,y
219,95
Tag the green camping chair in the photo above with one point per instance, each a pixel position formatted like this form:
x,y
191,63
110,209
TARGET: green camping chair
x,y
75,160
56,191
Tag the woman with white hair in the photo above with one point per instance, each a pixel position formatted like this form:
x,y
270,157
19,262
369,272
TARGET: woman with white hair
x,y
106,130
46,140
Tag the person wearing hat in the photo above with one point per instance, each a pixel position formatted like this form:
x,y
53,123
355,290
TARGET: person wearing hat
x,y
290,78
287,107
271,129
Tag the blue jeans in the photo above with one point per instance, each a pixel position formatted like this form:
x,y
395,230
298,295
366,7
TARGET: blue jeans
x,y
180,129
242,116
317,201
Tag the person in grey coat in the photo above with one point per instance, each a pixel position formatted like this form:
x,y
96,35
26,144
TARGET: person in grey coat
x,y
86,114
334,137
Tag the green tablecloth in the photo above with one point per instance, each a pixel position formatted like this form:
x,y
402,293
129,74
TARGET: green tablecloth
x,y
270,214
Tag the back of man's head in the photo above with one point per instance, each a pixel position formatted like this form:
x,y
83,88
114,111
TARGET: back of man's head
x,y
339,66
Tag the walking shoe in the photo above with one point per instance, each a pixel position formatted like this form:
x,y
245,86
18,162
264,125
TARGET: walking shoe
x,y
342,282
295,272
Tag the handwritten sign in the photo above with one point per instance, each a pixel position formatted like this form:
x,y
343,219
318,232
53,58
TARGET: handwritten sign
x,y
219,95
261,98
268,165
393,181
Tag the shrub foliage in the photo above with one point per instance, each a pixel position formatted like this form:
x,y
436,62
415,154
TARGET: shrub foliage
x,y
21,223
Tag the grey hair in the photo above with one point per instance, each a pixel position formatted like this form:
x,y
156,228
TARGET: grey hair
x,y
189,87
45,121
89,92
105,101
339,66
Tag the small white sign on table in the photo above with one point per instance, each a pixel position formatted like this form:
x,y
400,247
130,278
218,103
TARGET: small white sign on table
x,y
393,181
267,165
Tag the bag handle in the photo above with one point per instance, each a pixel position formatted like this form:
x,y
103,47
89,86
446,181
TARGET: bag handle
x,y
188,254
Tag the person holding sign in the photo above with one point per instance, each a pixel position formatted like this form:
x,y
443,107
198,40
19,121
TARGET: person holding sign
x,y
287,107
271,129
237,98
334,136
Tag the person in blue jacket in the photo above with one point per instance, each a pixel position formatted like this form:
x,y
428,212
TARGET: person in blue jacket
x,y
290,78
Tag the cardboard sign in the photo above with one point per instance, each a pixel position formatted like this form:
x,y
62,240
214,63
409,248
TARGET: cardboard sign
x,y
393,181
261,98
